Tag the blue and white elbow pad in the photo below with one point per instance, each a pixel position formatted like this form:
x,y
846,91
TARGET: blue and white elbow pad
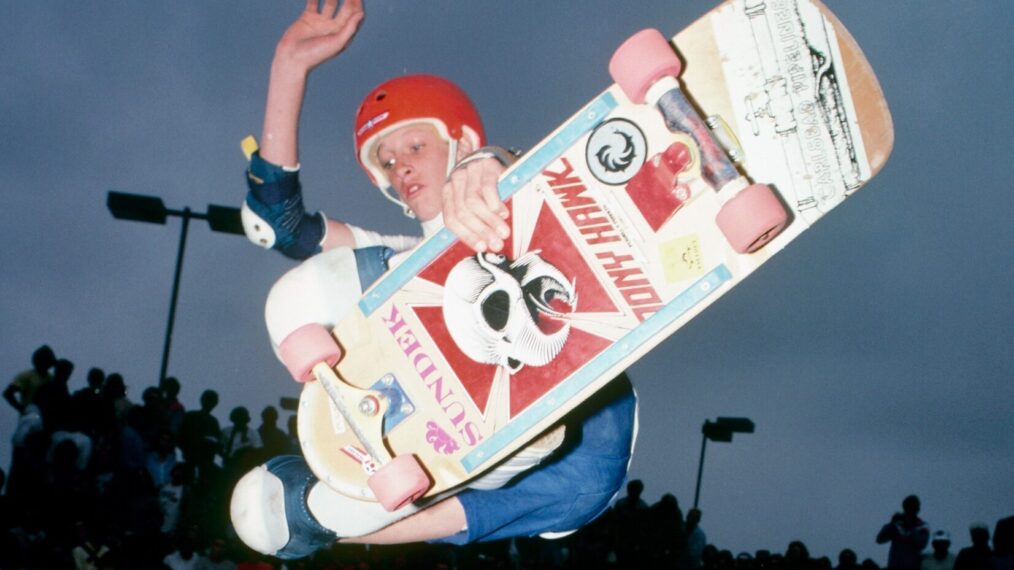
x,y
273,214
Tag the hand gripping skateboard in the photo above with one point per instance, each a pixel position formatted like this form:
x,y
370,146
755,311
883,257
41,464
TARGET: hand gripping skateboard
x,y
641,210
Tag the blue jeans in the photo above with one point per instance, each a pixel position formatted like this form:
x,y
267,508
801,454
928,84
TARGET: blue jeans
x,y
570,491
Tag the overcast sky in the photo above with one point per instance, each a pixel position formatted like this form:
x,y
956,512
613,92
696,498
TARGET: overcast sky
x,y
875,354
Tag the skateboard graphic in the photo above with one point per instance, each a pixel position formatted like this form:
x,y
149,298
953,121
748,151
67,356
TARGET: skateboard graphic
x,y
641,210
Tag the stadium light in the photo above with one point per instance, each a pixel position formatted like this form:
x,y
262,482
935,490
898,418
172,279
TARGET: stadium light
x,y
151,209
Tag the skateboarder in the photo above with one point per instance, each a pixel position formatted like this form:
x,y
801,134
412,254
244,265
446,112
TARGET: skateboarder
x,y
421,142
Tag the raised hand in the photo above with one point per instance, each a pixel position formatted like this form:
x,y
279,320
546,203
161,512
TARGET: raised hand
x,y
321,32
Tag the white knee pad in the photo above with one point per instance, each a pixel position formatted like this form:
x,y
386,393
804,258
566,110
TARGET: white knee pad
x,y
257,510
317,516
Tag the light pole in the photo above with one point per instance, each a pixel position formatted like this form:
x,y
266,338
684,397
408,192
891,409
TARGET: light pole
x,y
151,209
719,430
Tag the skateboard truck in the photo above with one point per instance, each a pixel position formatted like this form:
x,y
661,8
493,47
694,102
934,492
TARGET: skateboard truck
x,y
646,68
310,352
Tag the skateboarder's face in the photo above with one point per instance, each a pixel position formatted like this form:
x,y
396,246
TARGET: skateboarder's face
x,y
414,159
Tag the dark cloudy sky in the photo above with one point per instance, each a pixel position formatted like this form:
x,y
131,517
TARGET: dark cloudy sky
x,y
876,354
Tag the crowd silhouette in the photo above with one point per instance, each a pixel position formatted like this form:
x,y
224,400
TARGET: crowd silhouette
x,y
97,481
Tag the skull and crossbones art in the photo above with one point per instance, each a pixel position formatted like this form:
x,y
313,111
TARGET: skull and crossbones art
x,y
508,313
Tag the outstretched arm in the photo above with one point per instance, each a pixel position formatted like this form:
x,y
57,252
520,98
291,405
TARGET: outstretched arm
x,y
319,34
273,214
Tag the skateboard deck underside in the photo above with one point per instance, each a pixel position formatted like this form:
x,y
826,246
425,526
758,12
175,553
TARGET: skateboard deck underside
x,y
477,356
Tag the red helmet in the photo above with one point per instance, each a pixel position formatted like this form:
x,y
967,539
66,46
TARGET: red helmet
x,y
413,99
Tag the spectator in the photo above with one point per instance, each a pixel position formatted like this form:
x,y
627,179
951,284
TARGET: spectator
x,y
696,540
979,555
1003,544
941,558
847,560
132,448
292,430
908,535
797,556
174,408
274,440
21,391
631,516
200,428
665,531
161,460
87,402
239,438
171,498
154,415
53,399
114,401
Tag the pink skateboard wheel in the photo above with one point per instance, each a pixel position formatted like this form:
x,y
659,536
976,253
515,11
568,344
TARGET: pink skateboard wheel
x,y
306,347
399,482
642,60
752,219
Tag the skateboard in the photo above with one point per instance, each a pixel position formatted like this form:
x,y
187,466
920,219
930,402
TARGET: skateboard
x,y
630,219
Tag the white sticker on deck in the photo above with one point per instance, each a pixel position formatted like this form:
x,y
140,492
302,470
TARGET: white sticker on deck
x,y
792,105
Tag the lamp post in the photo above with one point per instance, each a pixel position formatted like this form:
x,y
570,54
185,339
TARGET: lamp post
x,y
151,209
719,430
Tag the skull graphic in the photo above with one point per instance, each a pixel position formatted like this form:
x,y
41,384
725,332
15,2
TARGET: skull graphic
x,y
508,313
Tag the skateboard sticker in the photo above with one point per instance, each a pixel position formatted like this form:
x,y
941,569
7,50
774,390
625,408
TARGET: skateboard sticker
x,y
615,151
510,326
360,456
682,258
803,122
441,441
399,404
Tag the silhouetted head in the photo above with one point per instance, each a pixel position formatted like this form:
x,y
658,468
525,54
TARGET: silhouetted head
x,y
635,488
209,399
269,416
911,505
797,551
693,516
43,359
96,376
980,534
847,558
62,370
151,396
239,416
669,500
171,388
114,386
